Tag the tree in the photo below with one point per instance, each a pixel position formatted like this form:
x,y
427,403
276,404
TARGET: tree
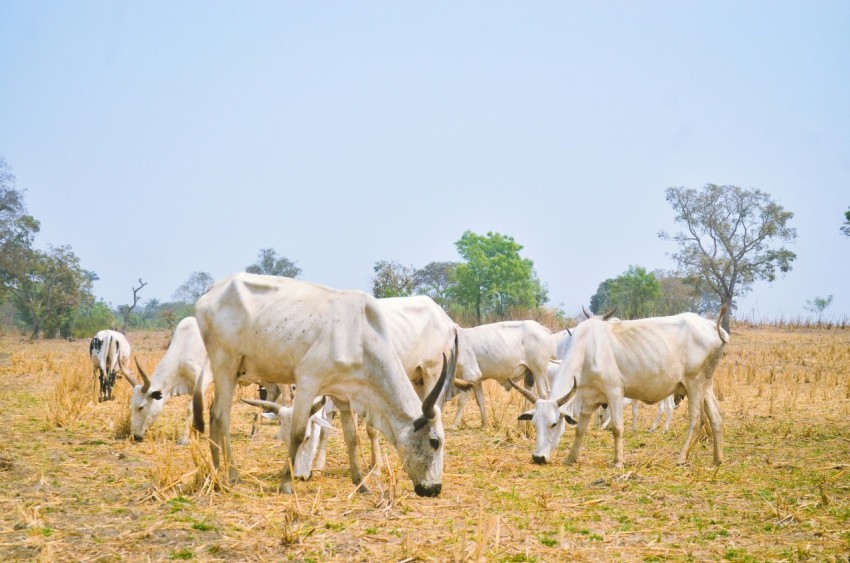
x,y
600,302
845,228
634,294
50,291
270,264
391,279
818,305
125,310
197,284
434,280
17,231
494,278
728,239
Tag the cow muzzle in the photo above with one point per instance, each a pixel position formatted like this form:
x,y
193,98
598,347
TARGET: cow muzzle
x,y
428,490
539,459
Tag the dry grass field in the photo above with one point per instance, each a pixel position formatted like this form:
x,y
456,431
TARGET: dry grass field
x,y
73,487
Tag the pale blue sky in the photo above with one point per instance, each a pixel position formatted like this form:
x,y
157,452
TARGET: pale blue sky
x,y
162,138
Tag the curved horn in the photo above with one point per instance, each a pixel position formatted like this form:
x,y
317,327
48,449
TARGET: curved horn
x,y
569,332
268,405
569,395
527,393
127,375
147,381
586,314
608,315
428,410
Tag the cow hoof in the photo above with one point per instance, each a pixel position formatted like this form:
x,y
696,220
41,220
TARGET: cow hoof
x,y
285,488
362,489
183,442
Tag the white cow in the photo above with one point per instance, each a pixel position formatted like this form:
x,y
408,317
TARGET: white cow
x,y
647,360
422,334
183,365
315,440
110,353
327,342
501,351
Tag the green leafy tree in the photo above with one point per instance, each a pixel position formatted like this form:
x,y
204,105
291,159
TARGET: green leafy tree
x,y
818,305
197,284
50,291
270,264
90,318
600,302
17,231
728,241
493,276
391,279
634,294
845,228
434,280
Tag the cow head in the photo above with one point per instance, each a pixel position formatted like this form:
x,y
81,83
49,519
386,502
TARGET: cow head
x,y
424,441
145,406
549,421
309,447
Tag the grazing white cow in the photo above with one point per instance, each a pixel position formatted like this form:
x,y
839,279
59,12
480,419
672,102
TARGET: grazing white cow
x,y
184,364
502,351
327,342
110,353
647,360
561,340
314,439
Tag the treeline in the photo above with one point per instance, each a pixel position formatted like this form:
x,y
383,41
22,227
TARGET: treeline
x,y
724,247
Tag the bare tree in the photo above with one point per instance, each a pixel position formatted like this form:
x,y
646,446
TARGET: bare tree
x,y
125,310
727,238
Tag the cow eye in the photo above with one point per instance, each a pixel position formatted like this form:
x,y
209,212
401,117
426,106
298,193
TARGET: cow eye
x,y
553,425
435,443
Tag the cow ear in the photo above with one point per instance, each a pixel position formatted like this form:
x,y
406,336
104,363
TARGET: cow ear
x,y
156,395
323,422
570,420
527,415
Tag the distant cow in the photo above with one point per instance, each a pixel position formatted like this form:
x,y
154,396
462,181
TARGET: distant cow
x,y
501,351
647,360
110,354
184,364
327,342
666,406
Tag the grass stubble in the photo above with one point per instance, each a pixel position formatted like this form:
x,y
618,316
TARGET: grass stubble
x,y
74,486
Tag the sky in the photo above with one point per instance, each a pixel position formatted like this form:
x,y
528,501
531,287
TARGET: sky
x,y
159,139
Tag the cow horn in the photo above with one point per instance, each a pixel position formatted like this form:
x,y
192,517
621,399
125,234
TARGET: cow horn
x,y
608,315
569,332
268,405
524,392
147,381
569,395
428,410
586,314
127,375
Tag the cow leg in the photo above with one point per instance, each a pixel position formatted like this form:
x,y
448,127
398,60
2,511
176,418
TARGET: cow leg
x,y
716,420
482,406
461,404
581,428
635,405
696,397
184,437
220,427
615,405
349,432
658,416
375,443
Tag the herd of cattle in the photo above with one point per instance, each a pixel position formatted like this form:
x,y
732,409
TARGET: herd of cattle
x,y
393,362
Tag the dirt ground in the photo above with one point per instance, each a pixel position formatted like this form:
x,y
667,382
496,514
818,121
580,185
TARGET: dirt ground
x,y
73,487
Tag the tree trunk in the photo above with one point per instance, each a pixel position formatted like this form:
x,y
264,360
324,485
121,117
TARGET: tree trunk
x,y
727,300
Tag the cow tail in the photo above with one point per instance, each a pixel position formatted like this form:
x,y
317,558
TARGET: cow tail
x,y
720,331
198,405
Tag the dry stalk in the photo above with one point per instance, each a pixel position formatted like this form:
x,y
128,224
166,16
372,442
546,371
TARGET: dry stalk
x,y
71,395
